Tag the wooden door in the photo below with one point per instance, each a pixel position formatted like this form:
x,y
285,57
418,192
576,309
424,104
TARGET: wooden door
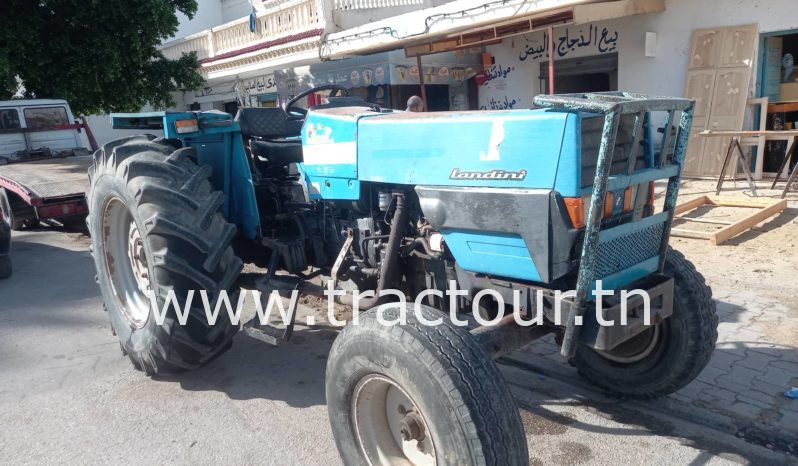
x,y
718,79
700,87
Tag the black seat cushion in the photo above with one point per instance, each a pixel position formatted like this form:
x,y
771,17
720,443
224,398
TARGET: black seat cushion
x,y
277,153
269,123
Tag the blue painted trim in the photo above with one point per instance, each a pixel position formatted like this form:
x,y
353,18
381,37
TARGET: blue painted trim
x,y
760,60
569,165
219,145
631,227
491,253
623,278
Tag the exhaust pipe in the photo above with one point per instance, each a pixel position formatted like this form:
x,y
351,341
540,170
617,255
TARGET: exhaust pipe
x,y
390,265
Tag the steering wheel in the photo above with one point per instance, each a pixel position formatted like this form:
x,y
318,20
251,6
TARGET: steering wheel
x,y
298,113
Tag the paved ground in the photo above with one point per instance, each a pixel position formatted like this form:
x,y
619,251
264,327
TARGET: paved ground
x,y
68,396
756,359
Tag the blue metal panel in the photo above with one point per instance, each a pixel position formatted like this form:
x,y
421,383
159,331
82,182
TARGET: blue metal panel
x,y
330,154
496,254
514,149
332,188
626,252
218,144
569,169
620,280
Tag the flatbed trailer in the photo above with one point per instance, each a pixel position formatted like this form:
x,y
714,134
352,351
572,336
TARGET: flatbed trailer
x,y
44,189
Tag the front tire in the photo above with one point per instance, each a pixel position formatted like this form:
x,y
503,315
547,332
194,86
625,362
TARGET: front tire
x,y
668,356
156,226
417,394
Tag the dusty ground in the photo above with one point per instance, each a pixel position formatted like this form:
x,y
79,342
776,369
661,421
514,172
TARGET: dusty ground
x,y
68,396
763,260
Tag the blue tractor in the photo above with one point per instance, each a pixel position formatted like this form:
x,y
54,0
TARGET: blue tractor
x,y
506,209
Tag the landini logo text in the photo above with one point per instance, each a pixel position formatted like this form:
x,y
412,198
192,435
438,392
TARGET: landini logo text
x,y
458,174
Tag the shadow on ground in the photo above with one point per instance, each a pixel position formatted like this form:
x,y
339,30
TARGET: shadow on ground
x,y
46,278
293,373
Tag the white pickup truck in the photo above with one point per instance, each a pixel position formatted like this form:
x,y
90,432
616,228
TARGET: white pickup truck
x,y
43,163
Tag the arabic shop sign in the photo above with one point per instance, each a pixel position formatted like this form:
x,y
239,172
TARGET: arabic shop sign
x,y
261,84
587,40
503,103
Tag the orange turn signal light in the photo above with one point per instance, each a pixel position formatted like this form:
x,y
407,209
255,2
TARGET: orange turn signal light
x,y
576,210
627,200
607,205
186,126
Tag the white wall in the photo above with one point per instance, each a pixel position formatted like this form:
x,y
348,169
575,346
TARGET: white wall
x,y
511,82
663,74
515,77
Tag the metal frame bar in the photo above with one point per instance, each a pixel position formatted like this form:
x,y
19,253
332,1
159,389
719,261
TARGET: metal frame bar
x,y
613,105
734,144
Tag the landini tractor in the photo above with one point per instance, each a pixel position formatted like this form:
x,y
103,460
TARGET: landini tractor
x,y
521,205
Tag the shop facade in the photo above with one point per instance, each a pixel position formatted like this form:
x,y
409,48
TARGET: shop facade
x,y
387,79
742,48
643,53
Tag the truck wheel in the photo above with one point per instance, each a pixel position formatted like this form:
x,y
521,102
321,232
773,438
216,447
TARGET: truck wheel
x,y
668,356
156,226
5,266
417,394
16,212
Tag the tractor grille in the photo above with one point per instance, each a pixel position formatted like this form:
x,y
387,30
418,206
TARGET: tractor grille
x,y
628,250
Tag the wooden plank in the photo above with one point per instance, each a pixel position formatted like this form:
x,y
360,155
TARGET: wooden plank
x,y
705,220
690,205
747,223
782,107
762,103
735,202
768,132
683,233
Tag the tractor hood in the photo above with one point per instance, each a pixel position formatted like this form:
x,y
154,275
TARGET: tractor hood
x,y
510,149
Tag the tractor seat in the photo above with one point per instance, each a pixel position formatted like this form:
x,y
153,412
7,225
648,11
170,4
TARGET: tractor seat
x,y
279,153
267,123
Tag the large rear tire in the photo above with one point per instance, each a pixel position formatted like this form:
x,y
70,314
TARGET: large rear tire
x,y
156,225
668,356
417,394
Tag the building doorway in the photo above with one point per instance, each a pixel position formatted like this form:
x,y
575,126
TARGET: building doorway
x,y
437,96
597,73
778,81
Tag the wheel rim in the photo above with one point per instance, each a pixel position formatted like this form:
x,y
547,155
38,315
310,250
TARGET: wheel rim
x,y
389,426
636,348
126,262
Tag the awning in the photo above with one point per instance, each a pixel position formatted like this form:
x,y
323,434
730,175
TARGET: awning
x,y
472,23
390,68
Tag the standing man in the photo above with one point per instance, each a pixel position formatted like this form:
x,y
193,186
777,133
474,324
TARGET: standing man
x,y
415,104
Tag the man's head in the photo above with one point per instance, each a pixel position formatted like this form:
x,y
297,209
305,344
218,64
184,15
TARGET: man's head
x,y
415,104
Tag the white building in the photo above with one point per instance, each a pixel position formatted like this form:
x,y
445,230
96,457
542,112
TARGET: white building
x,y
495,54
